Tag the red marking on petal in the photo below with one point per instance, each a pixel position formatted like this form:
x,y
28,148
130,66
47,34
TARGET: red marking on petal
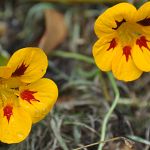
x,y
20,70
28,96
142,42
144,22
127,52
8,111
113,44
119,24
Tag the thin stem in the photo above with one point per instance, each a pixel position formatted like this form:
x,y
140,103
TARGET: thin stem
x,y
73,55
106,141
114,104
89,60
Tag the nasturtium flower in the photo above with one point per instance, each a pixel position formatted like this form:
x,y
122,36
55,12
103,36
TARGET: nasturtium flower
x,y
25,97
123,44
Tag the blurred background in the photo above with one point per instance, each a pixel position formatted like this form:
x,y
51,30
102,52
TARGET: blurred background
x,y
64,30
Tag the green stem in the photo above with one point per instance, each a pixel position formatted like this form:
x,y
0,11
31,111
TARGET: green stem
x,y
89,60
114,104
73,55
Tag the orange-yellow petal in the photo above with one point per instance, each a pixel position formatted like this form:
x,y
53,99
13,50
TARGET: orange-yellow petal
x,y
113,17
143,17
15,124
5,72
103,52
28,64
38,98
123,66
141,53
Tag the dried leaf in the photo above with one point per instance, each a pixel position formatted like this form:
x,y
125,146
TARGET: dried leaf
x,y
128,145
55,32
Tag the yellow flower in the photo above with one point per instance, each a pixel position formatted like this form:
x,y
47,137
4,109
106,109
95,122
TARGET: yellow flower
x,y
25,98
124,41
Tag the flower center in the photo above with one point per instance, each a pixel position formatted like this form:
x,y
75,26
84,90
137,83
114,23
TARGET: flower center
x,y
7,94
127,32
